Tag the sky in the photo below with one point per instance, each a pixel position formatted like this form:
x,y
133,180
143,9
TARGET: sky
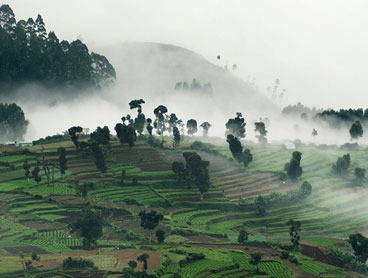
x,y
318,49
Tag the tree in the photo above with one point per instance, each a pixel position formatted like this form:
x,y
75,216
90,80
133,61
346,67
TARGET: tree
x,y
256,258
177,138
35,174
132,264
356,130
206,126
126,133
140,120
27,167
160,234
89,226
74,133
314,132
150,220
293,169
197,172
342,165
235,147
359,173
243,236
149,126
83,189
179,169
305,189
261,129
294,232
359,243
260,205
192,127
13,124
237,150
161,120
236,126
143,258
62,161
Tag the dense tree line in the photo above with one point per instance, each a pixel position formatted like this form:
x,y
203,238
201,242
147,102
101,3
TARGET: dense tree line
x,y
29,54
13,124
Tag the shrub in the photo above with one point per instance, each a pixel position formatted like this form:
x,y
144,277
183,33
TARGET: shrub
x,y
77,263
284,254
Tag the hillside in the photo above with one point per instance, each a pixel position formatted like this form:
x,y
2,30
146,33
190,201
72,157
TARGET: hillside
x,y
152,70
35,217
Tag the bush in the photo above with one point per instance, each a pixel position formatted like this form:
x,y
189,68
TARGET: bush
x,y
77,263
294,260
284,254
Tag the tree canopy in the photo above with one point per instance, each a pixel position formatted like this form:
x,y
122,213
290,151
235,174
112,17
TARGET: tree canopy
x,y
29,54
13,124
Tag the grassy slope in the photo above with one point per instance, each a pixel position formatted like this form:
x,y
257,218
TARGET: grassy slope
x,y
42,222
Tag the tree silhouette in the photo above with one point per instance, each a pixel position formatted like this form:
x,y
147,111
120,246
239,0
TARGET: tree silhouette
x,y
150,220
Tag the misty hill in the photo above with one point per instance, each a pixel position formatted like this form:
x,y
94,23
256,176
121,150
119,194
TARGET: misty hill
x,y
28,54
153,69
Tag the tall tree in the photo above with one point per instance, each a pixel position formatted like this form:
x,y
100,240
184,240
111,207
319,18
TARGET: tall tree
x,y
143,258
74,133
197,172
261,129
342,164
161,120
27,167
150,220
293,169
206,126
294,232
192,127
177,137
89,227
62,161
236,126
359,243
356,130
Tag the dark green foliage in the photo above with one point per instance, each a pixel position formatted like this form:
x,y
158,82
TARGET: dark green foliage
x,y
294,232
140,120
305,189
237,150
235,147
284,254
261,128
13,124
260,205
179,169
123,176
27,167
29,54
89,226
256,258
342,165
176,137
62,160
77,263
206,126
143,258
359,243
149,126
101,136
83,188
160,234
126,133
132,264
192,127
293,169
243,236
356,130
359,173
191,257
197,172
74,133
161,119
150,220
336,118
236,126
36,174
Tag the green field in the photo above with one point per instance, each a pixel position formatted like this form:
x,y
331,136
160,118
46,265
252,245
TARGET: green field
x,y
37,216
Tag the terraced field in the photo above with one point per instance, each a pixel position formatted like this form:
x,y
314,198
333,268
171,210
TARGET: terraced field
x,y
37,215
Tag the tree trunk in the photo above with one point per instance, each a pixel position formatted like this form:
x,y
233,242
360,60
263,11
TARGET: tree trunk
x,y
201,195
150,236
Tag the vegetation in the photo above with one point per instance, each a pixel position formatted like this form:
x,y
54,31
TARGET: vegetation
x,y
30,54
13,124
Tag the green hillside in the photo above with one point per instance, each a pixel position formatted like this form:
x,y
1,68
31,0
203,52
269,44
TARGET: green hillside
x,y
201,236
